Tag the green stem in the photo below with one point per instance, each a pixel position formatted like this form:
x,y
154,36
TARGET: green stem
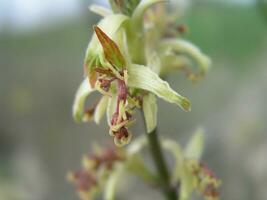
x,y
163,173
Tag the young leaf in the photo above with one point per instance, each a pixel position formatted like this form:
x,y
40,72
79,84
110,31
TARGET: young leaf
x,y
194,148
100,109
144,78
82,93
111,50
150,109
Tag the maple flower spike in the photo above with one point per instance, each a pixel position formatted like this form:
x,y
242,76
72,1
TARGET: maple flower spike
x,y
122,85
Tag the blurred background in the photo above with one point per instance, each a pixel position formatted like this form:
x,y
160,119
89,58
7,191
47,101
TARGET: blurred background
x,y
42,46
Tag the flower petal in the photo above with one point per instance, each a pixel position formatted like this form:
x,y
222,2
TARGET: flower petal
x,y
150,110
185,47
82,93
111,50
195,146
100,109
174,148
144,78
138,14
112,103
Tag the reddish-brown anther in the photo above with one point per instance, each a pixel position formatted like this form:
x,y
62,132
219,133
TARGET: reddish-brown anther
x,y
106,159
110,156
114,118
207,171
105,84
122,91
128,115
84,180
122,133
211,191
104,71
97,160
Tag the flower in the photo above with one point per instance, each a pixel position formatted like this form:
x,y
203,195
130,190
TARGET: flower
x,y
192,174
104,169
97,168
123,83
126,69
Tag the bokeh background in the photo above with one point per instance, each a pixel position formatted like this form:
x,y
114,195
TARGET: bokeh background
x,y
42,46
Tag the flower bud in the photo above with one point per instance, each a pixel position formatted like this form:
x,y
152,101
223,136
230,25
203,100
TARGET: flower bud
x,y
124,6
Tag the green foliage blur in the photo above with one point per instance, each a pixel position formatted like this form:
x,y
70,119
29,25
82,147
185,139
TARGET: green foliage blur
x,y
40,72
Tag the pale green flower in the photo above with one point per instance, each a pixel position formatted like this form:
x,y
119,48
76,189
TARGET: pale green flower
x,y
126,70
127,85
131,49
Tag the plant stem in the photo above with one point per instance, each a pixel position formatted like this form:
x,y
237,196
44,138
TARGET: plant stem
x,y
153,140
159,160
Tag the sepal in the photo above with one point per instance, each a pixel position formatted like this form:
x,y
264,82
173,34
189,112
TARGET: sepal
x,y
150,109
82,93
144,78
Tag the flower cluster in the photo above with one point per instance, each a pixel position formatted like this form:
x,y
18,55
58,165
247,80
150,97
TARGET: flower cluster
x,y
134,45
96,169
190,173
124,61
207,182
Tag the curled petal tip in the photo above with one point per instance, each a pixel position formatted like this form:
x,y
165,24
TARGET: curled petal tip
x,y
185,104
120,142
